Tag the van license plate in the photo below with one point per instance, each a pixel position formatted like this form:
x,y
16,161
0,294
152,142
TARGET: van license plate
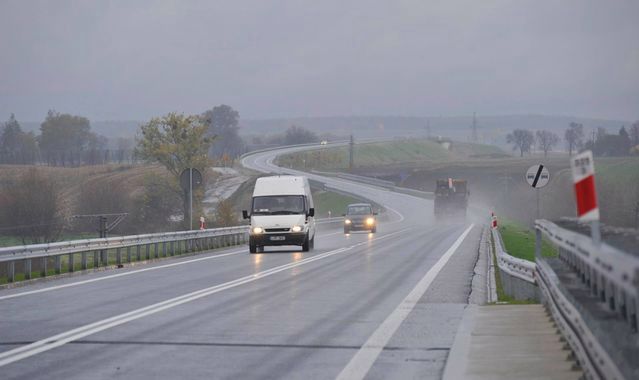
x,y
277,238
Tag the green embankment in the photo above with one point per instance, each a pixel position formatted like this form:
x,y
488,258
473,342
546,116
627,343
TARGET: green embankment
x,y
519,241
386,153
326,201
10,241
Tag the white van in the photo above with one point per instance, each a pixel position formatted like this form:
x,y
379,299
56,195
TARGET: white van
x,y
282,213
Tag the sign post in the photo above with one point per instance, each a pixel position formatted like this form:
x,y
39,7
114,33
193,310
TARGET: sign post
x,y
538,176
190,178
583,175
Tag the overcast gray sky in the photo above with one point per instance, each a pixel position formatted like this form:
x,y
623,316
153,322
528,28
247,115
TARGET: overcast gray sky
x,y
111,60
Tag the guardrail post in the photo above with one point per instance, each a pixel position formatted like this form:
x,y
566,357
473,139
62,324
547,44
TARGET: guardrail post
x,y
163,249
71,263
105,257
58,265
83,260
96,261
44,266
148,251
138,252
11,271
172,248
128,254
118,256
27,269
156,250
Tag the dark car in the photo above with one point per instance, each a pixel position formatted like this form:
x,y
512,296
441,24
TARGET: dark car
x,y
360,217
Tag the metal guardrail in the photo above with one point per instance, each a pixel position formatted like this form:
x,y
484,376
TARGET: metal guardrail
x,y
612,276
126,248
522,269
593,358
168,243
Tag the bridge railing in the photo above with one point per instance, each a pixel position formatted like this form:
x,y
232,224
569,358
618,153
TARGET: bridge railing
x,y
612,276
121,248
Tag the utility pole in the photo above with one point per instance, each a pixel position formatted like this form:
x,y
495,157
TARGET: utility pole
x,y
351,147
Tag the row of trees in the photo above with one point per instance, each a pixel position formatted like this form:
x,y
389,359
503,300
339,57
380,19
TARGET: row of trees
x,y
524,140
64,140
67,140
601,143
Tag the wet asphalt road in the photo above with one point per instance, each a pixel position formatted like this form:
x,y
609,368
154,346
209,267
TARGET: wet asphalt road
x,y
280,314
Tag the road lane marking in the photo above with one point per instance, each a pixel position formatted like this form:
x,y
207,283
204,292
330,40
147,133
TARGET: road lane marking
x,y
117,275
109,277
61,339
361,363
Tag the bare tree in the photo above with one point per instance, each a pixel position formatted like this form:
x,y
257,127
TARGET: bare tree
x,y
522,140
574,137
225,215
546,140
299,135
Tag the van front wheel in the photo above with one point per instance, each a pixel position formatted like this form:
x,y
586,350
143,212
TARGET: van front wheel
x,y
306,246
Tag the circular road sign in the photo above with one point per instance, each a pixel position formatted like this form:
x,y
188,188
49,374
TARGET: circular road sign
x,y
184,179
538,176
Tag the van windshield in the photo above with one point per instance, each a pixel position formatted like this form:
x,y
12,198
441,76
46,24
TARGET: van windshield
x,y
278,205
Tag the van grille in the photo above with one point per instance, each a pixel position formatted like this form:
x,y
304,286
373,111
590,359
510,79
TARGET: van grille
x,y
277,229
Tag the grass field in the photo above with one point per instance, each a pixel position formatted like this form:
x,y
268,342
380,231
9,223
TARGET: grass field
x,y
387,153
519,241
326,201
9,241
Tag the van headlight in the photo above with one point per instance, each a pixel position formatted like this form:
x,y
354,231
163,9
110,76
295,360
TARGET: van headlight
x,y
347,221
296,228
370,221
258,230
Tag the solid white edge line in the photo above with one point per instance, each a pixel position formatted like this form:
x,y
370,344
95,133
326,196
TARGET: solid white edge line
x,y
61,339
363,360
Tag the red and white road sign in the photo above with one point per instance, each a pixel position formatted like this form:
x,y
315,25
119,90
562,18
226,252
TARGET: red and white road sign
x,y
583,175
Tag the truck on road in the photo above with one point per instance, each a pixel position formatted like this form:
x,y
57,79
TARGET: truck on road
x,y
451,197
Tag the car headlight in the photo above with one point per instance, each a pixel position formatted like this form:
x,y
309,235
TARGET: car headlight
x,y
370,221
258,230
347,221
296,228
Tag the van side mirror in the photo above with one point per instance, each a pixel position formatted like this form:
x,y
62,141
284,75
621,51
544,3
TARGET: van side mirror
x,y
375,213
311,212
245,214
